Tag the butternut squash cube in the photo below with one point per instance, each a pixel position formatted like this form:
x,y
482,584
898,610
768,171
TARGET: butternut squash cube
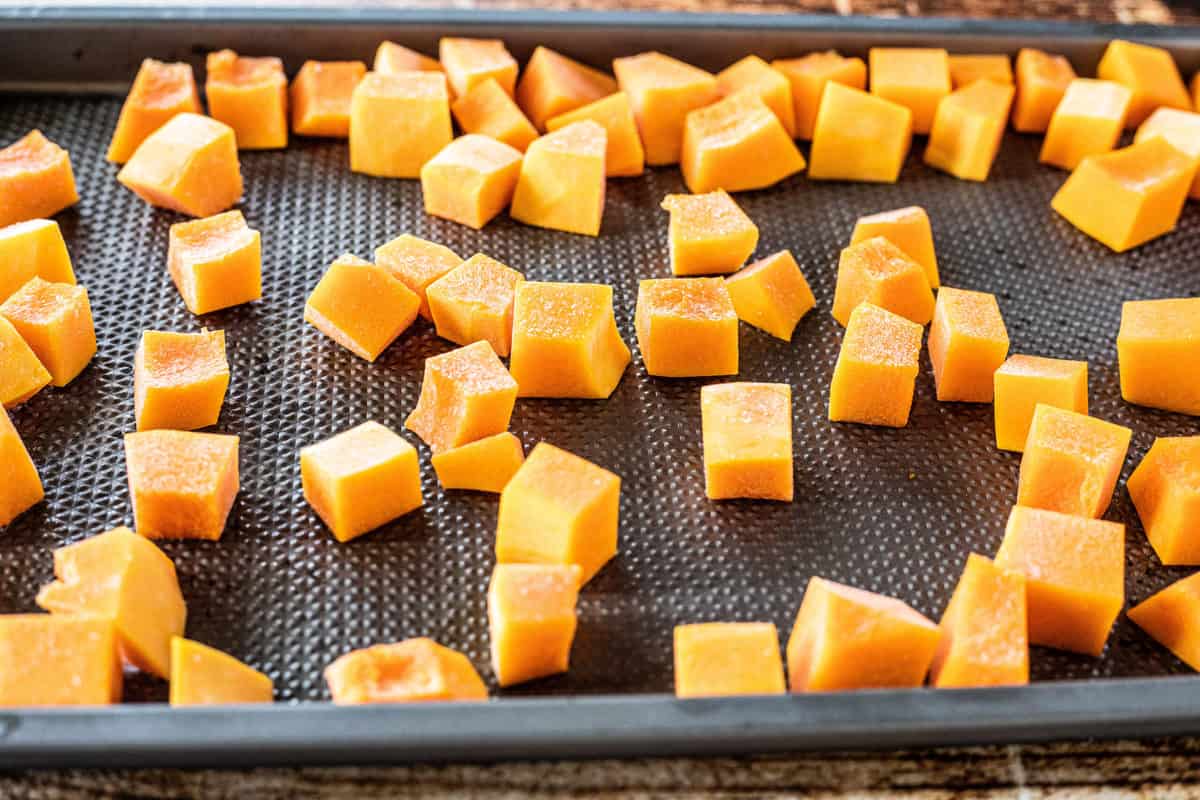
x,y
737,144
1129,196
1181,129
55,320
709,233
179,380
1149,72
878,272
1157,348
720,659
202,676
1087,121
662,91
361,306
472,179
34,248
469,62
489,111
623,154
189,165
391,58
966,69
1074,571
915,77
808,76
183,484
127,581
876,369
1165,489
909,229
967,130
249,95
485,465
21,373
559,509
755,75
561,185
984,635
771,294
847,638
1169,618
553,85
412,671
320,97
416,263
565,341
532,620
1042,79
215,262
747,430
474,302
361,479
686,327
160,91
858,137
58,661
1023,383
35,179
20,485
466,395
1194,88
398,122
1071,462
968,342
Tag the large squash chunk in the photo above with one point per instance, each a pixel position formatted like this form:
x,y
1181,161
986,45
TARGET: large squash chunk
x,y
1169,617
561,185
686,327
553,84
908,228
747,431
968,342
1022,383
915,77
412,671
361,479
124,579
21,373
34,248
183,484
1071,462
58,661
249,95
808,76
160,91
967,130
876,370
35,179
559,509
215,262
1074,572
876,271
471,180
179,380
55,320
416,263
485,465
489,111
718,659
1165,489
1157,347
398,122
966,69
1181,129
771,294
754,75
361,306
474,302
320,97
1149,72
1088,121
20,486
737,144
203,676
532,620
391,58
859,137
470,62
624,154
709,233
663,90
1042,79
466,395
189,165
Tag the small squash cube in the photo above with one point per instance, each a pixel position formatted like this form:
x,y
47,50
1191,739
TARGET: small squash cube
x,y
876,369
183,484
202,676
361,479
771,294
915,77
686,327
20,486
709,233
249,95
55,320
1149,72
968,342
469,62
416,263
1181,129
320,97
859,137
485,465
35,179
737,144
663,90
189,165
909,229
561,185
179,380
532,620
1088,121
412,671
471,180
1022,383
755,75
466,395
215,262
1071,462
58,661
22,375
160,91
747,431
1165,489
967,130
1042,79
553,84
808,76
1157,348
391,58
34,248
361,306
474,302
966,69
1169,618
720,659
489,111
398,122
877,271
624,154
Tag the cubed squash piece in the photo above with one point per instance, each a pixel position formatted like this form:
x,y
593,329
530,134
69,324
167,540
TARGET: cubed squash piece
x,y
984,634
471,180
58,661
1088,121
215,262
968,342
565,341
686,327
561,185
361,306
398,122
412,671
859,137
249,95
1074,571
320,97
204,676
1165,489
756,76
474,302
179,380
623,154
878,272
489,111
126,580
1157,347
35,179
663,90
189,165
1071,462
909,229
1042,79
967,130
34,248
747,431
1181,129
485,465
470,62
559,509
391,58
183,484
21,373
1022,383
876,369
55,320
416,263
966,69
553,84
1169,617
771,294
20,486
719,659
1149,72
846,638
361,479
737,144
466,395
532,620
808,76
915,77
709,233
160,91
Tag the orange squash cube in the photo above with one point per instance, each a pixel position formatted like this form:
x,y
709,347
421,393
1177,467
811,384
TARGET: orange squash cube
x,y
709,233
858,137
485,465
1157,348
361,306
398,122
878,272
553,85
189,165
984,634
561,185
1042,79
747,432
204,676
756,76
215,262
915,77
876,369
909,229
249,95
966,69
55,320
1149,72
127,581
771,294
471,180
623,154
412,671
1165,489
489,111
160,91
847,638
559,509
1022,383
1181,129
183,484
34,248
320,97
35,179
58,661
361,479
20,486
720,659
1168,617
1088,121
809,74
686,327
1071,462
474,302
967,130
391,58
21,373
416,263
179,380
565,341
466,395
662,91
469,62
737,144
1074,571
968,342
532,620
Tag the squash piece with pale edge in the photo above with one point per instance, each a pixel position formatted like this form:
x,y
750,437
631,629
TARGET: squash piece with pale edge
x,y
474,302
179,380
183,484
160,91
398,122
249,95
662,91
1149,72
808,75
58,661
747,432
1158,348
1087,121
412,671
1181,129
553,84
466,395
1024,382
320,97
721,659
737,144
485,465
416,263
908,228
915,77
755,75
189,165
34,248
391,58
20,486
771,294
967,130
35,179
204,676
968,342
470,180
22,375
1165,489
562,185
878,272
55,320
1169,617
966,69
623,154
1071,462
532,620
469,62
215,262
487,110
859,137
686,327
361,306
708,234
1042,79
876,370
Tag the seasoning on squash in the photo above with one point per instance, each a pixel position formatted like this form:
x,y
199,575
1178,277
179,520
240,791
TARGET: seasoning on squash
x,y
215,262
1042,79
55,320
1024,382
878,272
1157,349
966,69
720,659
471,180
1071,462
391,58
859,137
1165,489
398,122
249,95
915,77
416,263
474,302
1181,129
736,144
469,62
1169,615
709,233
967,130
412,671
686,327
908,228
179,380
532,620
485,465
623,154
20,487
160,91
35,179
22,375
1149,72
771,86
34,248
320,97
662,91
488,110
1088,121
968,342
553,85
183,484
876,370
58,661
561,185
204,676
361,306
747,433
466,395
771,294
809,74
